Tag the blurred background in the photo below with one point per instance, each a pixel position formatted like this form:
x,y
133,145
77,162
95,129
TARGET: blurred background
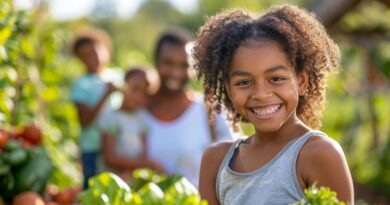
x,y
37,69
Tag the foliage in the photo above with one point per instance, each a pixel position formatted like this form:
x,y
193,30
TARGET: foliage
x,y
320,196
23,169
36,73
357,116
147,187
34,86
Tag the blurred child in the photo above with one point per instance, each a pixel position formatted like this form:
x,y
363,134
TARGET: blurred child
x,y
90,93
270,71
124,130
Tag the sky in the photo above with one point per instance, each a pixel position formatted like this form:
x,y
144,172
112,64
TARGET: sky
x,y
73,9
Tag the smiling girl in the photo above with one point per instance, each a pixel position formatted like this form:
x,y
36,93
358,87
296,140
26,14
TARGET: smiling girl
x,y
269,71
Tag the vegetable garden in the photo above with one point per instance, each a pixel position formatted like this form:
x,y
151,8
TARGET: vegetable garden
x,y
39,126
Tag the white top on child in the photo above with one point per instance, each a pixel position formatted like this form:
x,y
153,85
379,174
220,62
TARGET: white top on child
x,y
179,144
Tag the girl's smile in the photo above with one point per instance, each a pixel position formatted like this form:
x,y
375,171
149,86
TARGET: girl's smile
x,y
266,112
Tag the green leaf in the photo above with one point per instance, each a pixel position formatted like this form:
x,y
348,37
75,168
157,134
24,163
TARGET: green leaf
x,y
27,45
106,189
151,194
5,8
320,196
6,27
143,176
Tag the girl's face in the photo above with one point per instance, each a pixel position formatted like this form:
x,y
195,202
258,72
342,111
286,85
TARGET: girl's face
x,y
94,56
136,92
263,86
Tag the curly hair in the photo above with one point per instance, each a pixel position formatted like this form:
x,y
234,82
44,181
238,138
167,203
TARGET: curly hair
x,y
87,36
302,37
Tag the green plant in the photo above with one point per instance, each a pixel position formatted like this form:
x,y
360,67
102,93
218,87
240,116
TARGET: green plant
x,y
23,169
34,85
320,196
148,188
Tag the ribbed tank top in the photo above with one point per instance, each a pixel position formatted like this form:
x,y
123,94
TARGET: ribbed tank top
x,y
274,183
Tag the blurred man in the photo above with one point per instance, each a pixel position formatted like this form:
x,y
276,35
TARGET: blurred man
x,y
177,117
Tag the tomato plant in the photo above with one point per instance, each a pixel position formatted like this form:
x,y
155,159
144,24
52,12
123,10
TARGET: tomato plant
x,y
34,102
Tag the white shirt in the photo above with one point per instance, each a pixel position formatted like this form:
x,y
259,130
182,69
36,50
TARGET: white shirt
x,y
127,128
179,144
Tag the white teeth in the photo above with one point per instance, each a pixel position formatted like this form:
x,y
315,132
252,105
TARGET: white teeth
x,y
266,111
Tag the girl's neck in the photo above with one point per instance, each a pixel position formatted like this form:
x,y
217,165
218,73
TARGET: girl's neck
x,y
97,71
289,131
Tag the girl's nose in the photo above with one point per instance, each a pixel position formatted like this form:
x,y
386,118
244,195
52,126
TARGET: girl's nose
x,y
261,91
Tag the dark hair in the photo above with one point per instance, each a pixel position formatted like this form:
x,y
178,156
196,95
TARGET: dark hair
x,y
132,71
89,36
302,37
175,36
81,42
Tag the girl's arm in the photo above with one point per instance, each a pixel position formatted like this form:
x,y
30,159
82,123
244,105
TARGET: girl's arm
x,y
87,114
322,161
114,160
211,160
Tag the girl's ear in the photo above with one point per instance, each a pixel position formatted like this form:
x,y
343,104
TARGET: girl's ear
x,y
303,80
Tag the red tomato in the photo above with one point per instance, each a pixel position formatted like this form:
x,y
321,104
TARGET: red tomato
x,y
33,134
28,198
3,138
67,196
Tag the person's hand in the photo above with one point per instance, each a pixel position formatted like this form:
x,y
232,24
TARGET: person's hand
x,y
111,88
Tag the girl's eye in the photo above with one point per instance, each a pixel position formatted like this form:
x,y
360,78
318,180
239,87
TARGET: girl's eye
x,y
276,79
243,83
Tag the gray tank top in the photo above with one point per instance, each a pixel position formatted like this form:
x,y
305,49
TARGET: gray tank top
x,y
274,183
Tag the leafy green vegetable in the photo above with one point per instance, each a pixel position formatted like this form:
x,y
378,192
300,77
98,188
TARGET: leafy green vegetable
x,y
33,174
143,176
11,145
168,182
106,189
16,157
23,170
150,193
182,192
320,196
4,166
149,188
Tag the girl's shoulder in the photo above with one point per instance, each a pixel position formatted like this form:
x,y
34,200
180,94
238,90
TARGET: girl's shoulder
x,y
216,152
321,144
320,156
